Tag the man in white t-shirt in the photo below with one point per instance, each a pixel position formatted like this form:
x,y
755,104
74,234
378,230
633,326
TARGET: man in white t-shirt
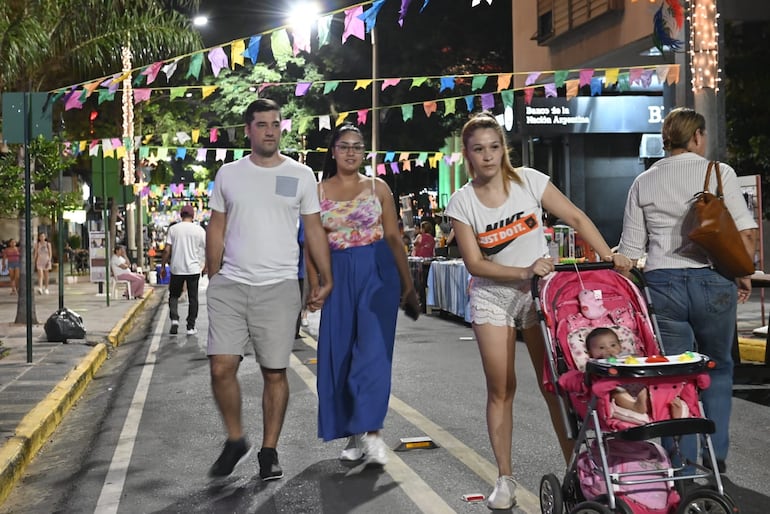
x,y
186,249
251,258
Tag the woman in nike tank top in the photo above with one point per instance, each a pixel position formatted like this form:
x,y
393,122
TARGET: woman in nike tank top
x,y
498,223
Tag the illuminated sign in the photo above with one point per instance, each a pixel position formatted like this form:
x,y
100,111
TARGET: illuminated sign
x,y
594,115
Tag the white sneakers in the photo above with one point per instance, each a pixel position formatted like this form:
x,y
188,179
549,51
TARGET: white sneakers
x,y
503,497
365,445
375,450
47,291
354,450
192,331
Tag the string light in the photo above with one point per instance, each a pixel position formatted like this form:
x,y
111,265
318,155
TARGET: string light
x,y
128,118
704,45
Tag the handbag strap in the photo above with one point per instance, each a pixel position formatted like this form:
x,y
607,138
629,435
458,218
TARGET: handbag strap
x,y
713,165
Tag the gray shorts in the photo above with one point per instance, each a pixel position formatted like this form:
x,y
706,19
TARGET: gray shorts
x,y
265,315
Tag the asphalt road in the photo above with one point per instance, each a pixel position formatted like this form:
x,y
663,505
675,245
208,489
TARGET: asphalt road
x,y
146,432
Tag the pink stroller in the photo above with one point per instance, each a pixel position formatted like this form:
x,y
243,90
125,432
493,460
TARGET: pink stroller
x,y
616,467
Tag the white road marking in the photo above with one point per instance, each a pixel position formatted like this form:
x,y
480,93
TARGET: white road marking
x,y
112,490
408,481
526,500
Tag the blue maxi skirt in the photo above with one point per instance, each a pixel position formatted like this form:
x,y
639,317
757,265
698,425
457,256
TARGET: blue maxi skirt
x,y
355,341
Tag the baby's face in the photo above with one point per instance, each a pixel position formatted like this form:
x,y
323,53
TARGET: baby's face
x,y
604,346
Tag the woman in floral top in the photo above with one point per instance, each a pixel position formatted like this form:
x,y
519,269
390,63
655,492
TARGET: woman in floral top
x,y
358,320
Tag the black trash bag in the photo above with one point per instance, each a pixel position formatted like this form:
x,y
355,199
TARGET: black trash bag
x,y
64,324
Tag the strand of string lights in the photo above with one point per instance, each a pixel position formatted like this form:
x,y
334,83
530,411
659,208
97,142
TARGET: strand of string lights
x,y
703,19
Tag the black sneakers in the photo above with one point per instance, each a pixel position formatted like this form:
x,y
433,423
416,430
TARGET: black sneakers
x,y
174,326
269,469
233,453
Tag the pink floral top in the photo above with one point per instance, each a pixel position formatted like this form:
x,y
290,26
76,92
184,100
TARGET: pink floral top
x,y
350,223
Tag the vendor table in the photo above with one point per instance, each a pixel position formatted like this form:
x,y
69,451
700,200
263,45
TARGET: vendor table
x,y
448,288
754,371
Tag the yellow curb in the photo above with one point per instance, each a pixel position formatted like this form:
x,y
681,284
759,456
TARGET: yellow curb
x,y
40,422
118,333
752,350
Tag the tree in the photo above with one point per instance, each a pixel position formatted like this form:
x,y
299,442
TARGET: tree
x,y
47,162
747,109
48,44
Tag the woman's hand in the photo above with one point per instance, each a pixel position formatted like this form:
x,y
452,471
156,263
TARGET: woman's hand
x,y
621,262
744,288
541,267
410,302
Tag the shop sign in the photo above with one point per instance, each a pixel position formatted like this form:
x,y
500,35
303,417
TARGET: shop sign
x,y
595,115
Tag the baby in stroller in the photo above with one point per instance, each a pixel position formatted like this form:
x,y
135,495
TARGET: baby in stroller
x,y
630,401
620,394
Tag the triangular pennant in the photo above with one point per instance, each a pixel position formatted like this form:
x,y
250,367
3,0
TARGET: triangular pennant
x,y
559,77
394,168
381,169
673,75
218,60
407,111
286,125
362,84
449,106
196,134
585,77
324,26
341,118
252,51
324,122
429,107
507,97
478,82
418,81
280,43
402,11
301,35
330,86
573,86
389,156
624,83
447,83
596,86
531,78
529,92
370,16
611,76
152,71
141,95
389,82
177,92
487,101
169,69
504,81
354,26
237,49
302,88
196,62
362,115
469,101
207,90
550,90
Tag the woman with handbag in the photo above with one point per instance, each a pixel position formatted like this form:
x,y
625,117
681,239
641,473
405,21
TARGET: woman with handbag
x,y
695,305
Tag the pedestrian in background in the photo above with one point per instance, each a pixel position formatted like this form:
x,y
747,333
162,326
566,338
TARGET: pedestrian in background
x,y
186,250
302,315
695,306
11,262
121,270
497,219
42,256
424,243
251,257
358,321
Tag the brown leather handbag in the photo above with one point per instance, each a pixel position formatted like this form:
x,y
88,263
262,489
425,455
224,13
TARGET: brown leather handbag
x,y
715,231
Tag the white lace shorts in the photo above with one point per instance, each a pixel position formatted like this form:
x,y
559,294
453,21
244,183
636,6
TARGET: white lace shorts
x,y
502,303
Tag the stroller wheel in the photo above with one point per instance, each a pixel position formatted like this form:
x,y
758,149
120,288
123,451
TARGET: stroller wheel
x,y
590,507
707,500
551,501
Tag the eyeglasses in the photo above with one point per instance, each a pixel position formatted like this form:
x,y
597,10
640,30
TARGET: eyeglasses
x,y
357,149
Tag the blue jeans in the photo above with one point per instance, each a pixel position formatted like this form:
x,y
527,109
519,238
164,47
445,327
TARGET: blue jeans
x,y
696,309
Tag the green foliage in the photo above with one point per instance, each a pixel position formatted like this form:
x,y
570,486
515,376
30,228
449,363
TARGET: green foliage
x,y
47,159
46,44
747,109
74,241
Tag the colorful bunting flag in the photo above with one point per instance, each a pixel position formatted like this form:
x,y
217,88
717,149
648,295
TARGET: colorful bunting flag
x,y
354,26
252,51
218,60
237,50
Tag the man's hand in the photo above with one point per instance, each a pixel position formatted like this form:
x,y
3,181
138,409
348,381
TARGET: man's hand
x,y
163,271
317,296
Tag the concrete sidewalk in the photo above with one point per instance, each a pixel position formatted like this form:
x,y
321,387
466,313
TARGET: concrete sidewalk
x,y
35,396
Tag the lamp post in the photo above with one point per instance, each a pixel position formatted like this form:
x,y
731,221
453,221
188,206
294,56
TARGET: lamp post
x,y
375,101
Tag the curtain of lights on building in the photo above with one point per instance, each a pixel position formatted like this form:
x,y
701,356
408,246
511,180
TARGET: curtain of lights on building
x,y
128,118
704,45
